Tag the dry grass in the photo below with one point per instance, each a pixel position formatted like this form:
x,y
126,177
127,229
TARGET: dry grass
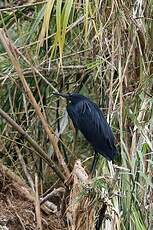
x,y
102,49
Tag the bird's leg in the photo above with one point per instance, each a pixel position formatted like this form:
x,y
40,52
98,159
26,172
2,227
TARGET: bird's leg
x,y
95,160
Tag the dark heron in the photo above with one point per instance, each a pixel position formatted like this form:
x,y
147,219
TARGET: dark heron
x,y
89,119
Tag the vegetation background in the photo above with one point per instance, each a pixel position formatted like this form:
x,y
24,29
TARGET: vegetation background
x,y
103,50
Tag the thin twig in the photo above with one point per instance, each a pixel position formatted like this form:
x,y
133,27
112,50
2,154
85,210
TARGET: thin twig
x,y
55,192
37,205
28,176
13,55
34,144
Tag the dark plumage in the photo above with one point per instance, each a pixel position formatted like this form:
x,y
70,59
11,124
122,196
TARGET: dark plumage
x,y
88,118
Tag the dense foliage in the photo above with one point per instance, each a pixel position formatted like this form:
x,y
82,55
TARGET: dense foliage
x,y
101,49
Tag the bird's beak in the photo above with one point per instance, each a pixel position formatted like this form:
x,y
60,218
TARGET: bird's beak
x,y
65,95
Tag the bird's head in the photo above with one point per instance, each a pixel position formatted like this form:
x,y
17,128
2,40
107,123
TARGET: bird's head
x,y
71,97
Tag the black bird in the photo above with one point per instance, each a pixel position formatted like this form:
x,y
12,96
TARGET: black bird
x,y
89,119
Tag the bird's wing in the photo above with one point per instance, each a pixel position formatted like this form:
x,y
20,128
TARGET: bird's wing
x,y
73,115
93,125
77,113
106,128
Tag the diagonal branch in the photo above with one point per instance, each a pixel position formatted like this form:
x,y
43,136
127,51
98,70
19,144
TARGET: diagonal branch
x,y
39,151
13,55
